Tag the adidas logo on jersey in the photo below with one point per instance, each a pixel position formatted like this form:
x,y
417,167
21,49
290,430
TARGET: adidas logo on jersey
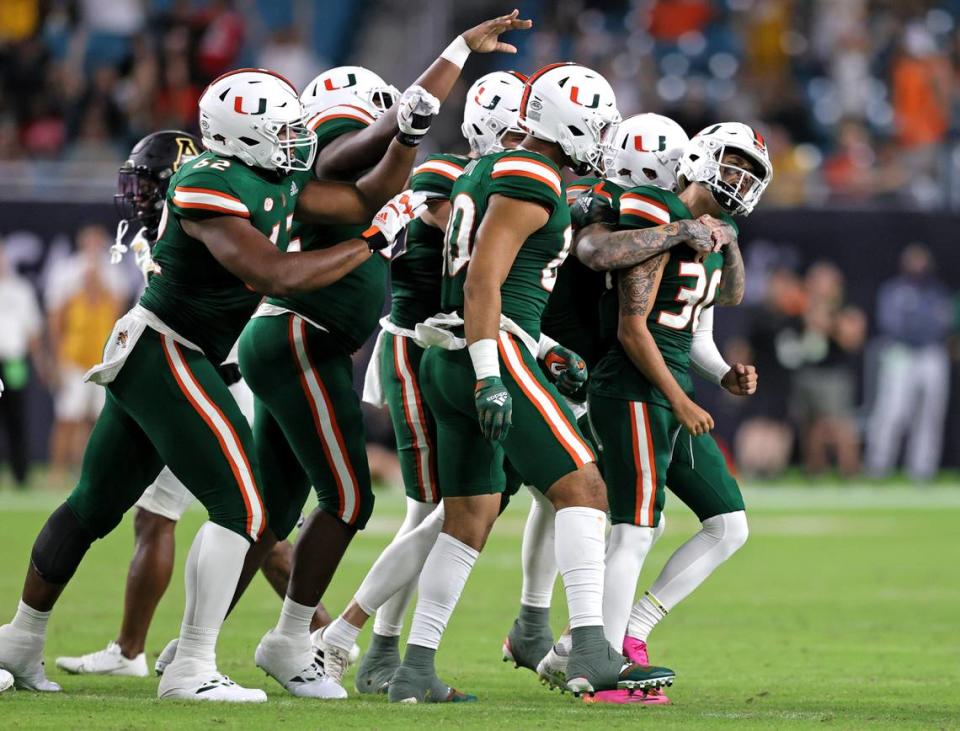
x,y
293,188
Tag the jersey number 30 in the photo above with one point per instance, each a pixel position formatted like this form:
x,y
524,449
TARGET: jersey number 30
x,y
458,242
694,299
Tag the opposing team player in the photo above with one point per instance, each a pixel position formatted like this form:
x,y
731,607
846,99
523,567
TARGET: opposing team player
x,y
652,432
490,125
226,214
295,354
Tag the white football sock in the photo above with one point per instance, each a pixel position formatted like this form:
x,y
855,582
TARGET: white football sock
x,y
389,621
688,567
537,554
340,633
399,564
442,580
626,551
295,619
210,575
31,620
580,561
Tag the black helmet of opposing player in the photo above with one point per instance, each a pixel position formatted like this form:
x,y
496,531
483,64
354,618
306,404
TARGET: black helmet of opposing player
x,y
144,177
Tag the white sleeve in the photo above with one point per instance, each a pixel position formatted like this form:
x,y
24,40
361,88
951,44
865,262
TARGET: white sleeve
x,y
704,354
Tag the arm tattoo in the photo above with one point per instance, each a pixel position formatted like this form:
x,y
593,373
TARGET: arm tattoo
x,y
732,278
604,250
637,287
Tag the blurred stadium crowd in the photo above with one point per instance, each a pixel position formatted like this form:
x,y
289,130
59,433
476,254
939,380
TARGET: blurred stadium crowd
x,y
858,100
858,97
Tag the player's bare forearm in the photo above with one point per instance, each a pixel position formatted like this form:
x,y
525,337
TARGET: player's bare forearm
x,y
361,149
437,213
733,277
329,202
604,250
252,257
481,308
637,292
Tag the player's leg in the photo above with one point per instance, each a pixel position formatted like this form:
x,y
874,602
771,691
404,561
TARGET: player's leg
x,y
699,476
471,479
155,519
932,371
119,463
637,441
549,451
416,436
306,383
199,431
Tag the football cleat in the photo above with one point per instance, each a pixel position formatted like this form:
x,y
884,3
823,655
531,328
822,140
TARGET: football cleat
x,y
6,681
624,697
636,651
109,661
166,656
180,682
355,652
552,669
410,686
333,661
602,668
293,666
378,665
21,655
525,647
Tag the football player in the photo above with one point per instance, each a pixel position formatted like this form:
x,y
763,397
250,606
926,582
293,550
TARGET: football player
x,y
489,125
644,150
309,431
509,230
224,222
640,394
142,187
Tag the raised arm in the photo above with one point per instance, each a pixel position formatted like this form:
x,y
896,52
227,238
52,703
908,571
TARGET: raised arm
x,y
361,149
637,290
602,249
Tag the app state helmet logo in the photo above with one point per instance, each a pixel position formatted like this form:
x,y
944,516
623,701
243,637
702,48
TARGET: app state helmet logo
x,y
186,151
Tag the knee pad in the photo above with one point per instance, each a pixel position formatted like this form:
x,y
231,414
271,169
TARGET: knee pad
x,y
60,547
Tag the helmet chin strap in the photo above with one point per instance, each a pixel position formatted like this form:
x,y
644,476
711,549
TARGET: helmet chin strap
x,y
119,248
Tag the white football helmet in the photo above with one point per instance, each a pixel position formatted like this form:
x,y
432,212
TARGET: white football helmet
x,y
255,116
492,110
736,190
347,85
572,106
645,149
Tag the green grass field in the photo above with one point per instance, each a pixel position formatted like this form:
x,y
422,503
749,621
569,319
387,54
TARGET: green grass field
x,y
841,612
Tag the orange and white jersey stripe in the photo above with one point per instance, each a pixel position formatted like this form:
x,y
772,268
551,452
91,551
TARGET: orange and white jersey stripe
x,y
635,204
574,191
528,168
566,433
645,464
226,435
210,200
439,167
340,111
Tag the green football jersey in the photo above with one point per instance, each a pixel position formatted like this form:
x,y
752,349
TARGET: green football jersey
x,y
416,274
192,292
688,285
523,175
572,316
350,307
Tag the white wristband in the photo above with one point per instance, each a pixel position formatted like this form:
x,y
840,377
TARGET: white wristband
x,y
486,362
545,345
457,52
